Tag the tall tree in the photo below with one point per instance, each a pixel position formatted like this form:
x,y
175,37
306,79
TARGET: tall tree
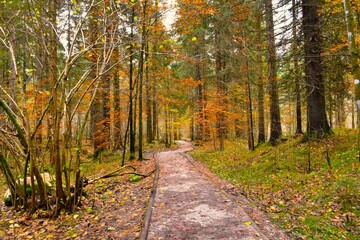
x,y
275,124
143,45
55,123
260,82
132,113
296,68
220,72
317,119
353,48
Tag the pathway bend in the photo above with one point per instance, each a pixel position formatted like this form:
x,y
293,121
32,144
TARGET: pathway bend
x,y
188,205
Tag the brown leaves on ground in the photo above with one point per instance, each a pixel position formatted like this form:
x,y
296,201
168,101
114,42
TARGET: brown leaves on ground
x,y
113,209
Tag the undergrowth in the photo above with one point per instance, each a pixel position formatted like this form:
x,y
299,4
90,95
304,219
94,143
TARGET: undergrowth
x,y
311,189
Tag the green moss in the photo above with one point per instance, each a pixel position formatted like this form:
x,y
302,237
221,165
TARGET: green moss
x,y
135,178
322,203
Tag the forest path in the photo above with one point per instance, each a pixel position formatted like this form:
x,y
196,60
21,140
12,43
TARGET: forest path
x,y
190,205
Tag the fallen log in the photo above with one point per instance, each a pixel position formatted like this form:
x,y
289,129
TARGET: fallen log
x,y
118,173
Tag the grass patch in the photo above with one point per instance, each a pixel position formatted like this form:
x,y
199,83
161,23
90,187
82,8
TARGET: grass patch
x,y
320,203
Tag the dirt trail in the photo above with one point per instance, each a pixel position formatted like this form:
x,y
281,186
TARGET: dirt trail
x,y
188,205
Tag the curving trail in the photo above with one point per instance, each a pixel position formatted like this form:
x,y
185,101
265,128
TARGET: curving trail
x,y
188,205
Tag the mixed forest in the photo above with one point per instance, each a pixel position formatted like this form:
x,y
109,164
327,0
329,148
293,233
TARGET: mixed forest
x,y
84,78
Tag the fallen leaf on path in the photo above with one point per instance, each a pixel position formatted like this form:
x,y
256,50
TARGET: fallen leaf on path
x,y
248,223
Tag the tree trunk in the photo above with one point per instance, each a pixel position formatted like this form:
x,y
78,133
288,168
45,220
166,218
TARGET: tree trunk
x,y
221,88
154,114
96,119
105,113
149,132
250,124
141,78
55,111
296,71
131,91
354,51
317,119
117,113
167,141
13,66
275,124
199,127
261,94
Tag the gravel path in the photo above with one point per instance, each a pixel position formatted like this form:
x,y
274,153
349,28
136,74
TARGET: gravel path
x,y
188,205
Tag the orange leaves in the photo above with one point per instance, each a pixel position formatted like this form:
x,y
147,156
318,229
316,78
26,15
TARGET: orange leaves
x,y
189,83
336,47
242,12
35,99
191,14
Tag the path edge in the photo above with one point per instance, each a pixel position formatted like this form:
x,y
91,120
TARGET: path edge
x,y
150,206
277,233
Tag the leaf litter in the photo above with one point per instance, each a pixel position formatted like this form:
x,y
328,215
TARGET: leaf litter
x,y
114,208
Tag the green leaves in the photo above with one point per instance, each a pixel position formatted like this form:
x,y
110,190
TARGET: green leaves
x,y
134,178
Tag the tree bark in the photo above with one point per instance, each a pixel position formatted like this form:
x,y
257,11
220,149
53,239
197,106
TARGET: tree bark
x,y
275,124
141,80
148,84
199,127
131,90
221,88
317,119
55,111
250,123
117,112
354,51
296,70
260,83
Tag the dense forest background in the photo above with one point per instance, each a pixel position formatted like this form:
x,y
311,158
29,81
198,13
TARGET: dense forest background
x,y
84,77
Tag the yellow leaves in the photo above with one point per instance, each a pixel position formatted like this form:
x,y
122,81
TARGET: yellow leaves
x,y
248,223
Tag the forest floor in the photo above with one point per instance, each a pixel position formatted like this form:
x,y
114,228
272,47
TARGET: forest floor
x,y
193,203
114,208
190,203
309,188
